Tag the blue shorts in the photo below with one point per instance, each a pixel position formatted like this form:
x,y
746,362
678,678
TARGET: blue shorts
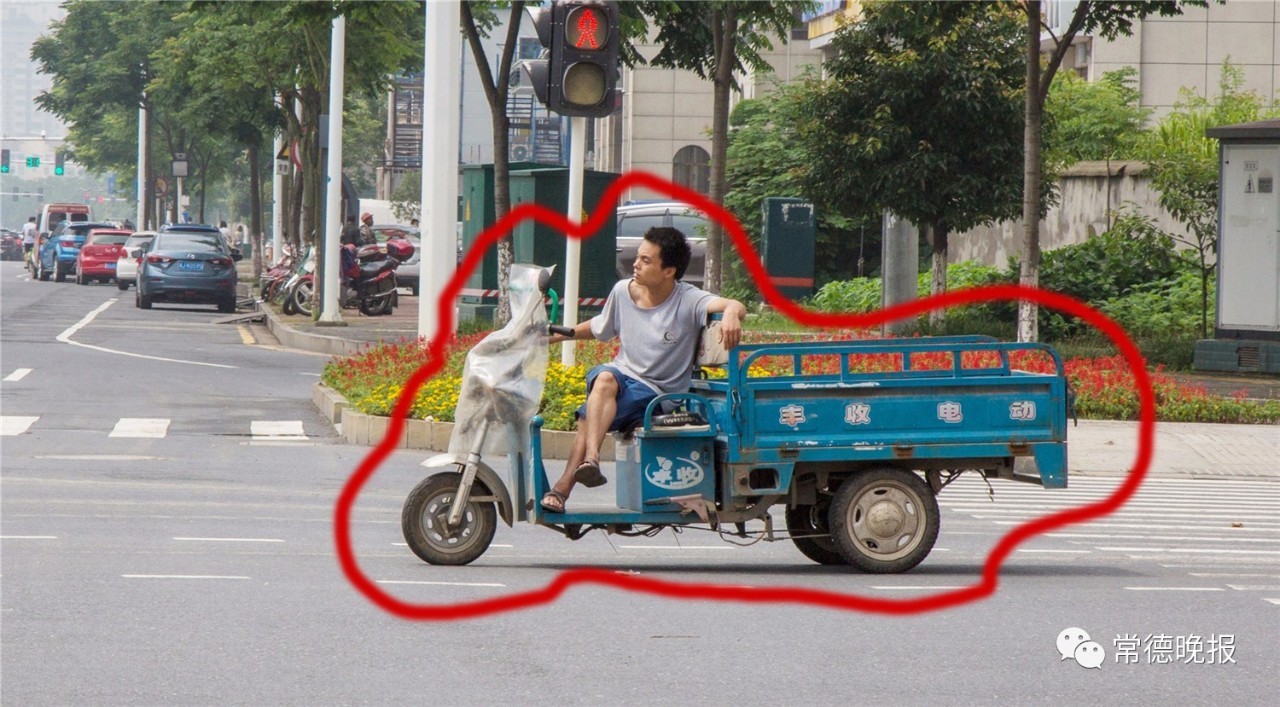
x,y
633,397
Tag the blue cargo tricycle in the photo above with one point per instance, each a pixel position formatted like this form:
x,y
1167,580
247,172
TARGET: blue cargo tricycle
x,y
853,459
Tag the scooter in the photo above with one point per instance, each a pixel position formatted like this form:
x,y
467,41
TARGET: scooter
x,y
297,290
369,275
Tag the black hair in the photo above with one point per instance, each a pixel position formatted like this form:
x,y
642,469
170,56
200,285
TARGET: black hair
x,y
673,248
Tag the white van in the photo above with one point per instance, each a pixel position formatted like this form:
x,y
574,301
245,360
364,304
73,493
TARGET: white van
x,y
53,214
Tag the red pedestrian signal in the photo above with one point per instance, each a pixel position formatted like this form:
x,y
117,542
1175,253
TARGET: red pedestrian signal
x,y
579,69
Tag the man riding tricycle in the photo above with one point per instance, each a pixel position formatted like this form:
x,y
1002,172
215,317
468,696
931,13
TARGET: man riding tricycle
x,y
853,460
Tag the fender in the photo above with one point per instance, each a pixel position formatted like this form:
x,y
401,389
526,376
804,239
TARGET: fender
x,y
484,475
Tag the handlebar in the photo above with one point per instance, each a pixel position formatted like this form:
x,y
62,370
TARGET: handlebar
x,y
561,330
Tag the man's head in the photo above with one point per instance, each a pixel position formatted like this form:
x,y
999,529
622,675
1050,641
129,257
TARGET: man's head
x,y
367,218
673,248
32,219
222,224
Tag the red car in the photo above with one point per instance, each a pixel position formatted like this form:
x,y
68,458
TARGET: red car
x,y
98,255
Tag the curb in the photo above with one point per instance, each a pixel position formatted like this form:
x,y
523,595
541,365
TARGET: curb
x,y
320,343
369,430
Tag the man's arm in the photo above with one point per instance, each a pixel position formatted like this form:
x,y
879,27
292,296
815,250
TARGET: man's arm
x,y
581,331
731,324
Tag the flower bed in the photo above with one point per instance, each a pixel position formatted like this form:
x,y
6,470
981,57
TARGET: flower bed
x,y
373,380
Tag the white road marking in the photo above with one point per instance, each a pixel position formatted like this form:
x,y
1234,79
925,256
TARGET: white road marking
x,y
440,584
1060,552
11,425
1273,601
1255,587
183,576
28,537
140,427
232,540
65,337
1175,589
277,430
675,547
918,587
97,457
1191,550
1180,538
18,374
1231,574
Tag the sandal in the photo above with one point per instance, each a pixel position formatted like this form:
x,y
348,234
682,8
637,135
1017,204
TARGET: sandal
x,y
588,474
554,501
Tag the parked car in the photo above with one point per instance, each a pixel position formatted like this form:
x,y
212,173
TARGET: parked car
x,y
183,265
10,245
98,255
59,250
407,275
637,217
130,256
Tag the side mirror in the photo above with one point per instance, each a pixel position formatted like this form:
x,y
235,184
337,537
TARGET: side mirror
x,y
235,255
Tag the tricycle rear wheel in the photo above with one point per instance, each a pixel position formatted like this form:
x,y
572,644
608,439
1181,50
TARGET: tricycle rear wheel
x,y
809,529
423,522
884,520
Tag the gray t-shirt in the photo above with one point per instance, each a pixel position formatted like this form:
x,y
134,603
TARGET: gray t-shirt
x,y
657,343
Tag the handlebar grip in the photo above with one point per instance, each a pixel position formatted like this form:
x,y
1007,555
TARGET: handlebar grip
x,y
561,330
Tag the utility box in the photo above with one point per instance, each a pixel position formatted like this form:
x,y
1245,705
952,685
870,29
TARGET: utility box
x,y
1247,326
537,243
787,238
478,214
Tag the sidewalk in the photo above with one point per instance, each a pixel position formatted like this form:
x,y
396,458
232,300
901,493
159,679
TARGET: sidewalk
x,y
1097,447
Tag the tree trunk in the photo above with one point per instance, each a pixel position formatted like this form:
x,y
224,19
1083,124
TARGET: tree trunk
x,y
1029,275
724,24
495,93
938,237
255,209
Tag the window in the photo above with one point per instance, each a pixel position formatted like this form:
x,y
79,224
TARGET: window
x,y
691,168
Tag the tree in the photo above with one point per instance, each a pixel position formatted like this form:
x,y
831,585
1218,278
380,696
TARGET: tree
x,y
715,40
921,116
1102,120
1185,166
477,19
1101,19
99,57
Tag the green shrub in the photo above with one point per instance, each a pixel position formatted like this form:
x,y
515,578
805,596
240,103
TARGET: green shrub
x,y
1164,308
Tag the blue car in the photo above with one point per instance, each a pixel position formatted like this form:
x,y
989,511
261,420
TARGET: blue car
x,y
57,255
188,265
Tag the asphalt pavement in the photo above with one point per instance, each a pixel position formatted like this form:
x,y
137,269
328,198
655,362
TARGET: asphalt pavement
x,y
1097,447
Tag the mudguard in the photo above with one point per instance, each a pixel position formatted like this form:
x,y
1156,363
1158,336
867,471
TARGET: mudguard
x,y
485,475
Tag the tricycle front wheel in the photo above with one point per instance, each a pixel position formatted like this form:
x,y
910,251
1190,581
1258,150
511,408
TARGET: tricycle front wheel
x,y
884,520
423,522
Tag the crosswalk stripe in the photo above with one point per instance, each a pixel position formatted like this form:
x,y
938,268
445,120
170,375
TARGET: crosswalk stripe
x,y
277,430
152,427
11,425
17,375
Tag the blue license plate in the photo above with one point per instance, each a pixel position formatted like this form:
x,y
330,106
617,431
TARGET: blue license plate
x,y
110,266
191,265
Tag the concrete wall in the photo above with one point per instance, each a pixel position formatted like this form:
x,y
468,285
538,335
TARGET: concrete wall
x,y
1081,211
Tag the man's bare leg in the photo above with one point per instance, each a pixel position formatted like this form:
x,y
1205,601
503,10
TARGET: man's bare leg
x,y
602,406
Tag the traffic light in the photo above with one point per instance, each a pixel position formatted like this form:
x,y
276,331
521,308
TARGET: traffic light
x,y
579,71
4,161
58,159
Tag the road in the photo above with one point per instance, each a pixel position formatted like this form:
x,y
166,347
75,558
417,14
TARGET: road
x,y
167,494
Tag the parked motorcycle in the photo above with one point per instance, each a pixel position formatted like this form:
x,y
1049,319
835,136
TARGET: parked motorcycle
x,y
299,286
368,278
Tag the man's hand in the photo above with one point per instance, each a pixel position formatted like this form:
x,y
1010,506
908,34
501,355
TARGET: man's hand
x,y
731,324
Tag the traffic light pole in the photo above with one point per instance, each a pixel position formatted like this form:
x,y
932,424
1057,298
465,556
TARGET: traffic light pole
x,y
573,246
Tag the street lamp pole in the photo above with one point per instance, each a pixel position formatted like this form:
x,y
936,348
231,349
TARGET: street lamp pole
x,y
329,310
441,126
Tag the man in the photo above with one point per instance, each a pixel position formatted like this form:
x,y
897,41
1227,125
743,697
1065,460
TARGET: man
x,y
226,233
28,241
351,232
659,319
366,229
